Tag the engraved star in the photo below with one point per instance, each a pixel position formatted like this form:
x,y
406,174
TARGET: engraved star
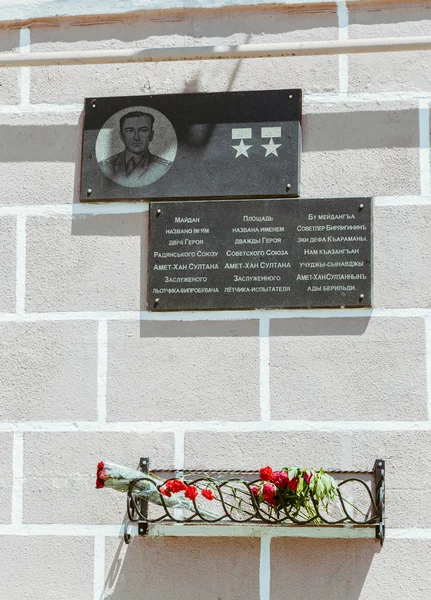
x,y
241,149
271,148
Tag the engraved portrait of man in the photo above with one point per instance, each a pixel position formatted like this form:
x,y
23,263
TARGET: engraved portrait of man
x,y
135,166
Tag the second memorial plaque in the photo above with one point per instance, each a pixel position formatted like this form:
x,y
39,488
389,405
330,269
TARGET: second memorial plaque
x,y
242,254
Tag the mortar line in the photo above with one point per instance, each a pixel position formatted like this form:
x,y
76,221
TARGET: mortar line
x,y
265,568
424,146
264,375
115,531
214,316
213,426
102,369
18,475
115,208
428,361
24,48
343,34
99,567
20,264
73,210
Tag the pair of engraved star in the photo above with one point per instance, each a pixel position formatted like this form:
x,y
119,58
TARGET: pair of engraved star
x,y
242,149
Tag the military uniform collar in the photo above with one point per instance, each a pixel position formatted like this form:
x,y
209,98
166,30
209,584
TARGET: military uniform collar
x,y
139,159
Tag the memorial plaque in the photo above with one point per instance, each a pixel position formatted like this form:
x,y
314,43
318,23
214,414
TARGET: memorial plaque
x,y
230,144
238,254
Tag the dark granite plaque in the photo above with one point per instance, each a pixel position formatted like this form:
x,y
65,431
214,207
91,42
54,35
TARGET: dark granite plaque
x,y
231,144
237,254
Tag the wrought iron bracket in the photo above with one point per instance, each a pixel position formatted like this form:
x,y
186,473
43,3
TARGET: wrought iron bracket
x,y
255,514
134,513
379,474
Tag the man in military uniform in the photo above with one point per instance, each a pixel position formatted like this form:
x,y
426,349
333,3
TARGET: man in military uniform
x,y
135,166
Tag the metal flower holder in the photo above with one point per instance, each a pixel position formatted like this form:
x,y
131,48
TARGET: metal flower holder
x,y
360,502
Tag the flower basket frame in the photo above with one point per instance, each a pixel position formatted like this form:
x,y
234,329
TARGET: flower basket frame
x,y
347,524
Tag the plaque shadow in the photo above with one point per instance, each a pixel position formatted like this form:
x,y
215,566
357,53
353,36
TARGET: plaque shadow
x,y
330,326
201,328
372,129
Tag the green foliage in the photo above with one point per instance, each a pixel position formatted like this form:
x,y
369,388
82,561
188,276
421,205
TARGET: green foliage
x,y
296,493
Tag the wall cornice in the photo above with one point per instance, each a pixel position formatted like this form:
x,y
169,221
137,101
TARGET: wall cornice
x,y
14,12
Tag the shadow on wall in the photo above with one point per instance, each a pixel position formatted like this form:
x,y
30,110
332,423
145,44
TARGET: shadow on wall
x,y
228,568
182,568
321,569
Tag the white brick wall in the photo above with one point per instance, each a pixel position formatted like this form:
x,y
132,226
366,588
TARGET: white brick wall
x,y
88,374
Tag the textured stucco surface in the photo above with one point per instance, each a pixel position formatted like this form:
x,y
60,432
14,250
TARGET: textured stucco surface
x,y
59,472
183,371
39,157
349,569
402,254
65,258
245,450
9,78
48,370
46,567
394,72
72,84
356,149
86,377
334,369
407,472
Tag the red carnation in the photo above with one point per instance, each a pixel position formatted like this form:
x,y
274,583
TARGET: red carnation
x,y
208,494
269,493
191,492
176,485
255,490
101,478
165,492
307,477
266,474
281,480
293,484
